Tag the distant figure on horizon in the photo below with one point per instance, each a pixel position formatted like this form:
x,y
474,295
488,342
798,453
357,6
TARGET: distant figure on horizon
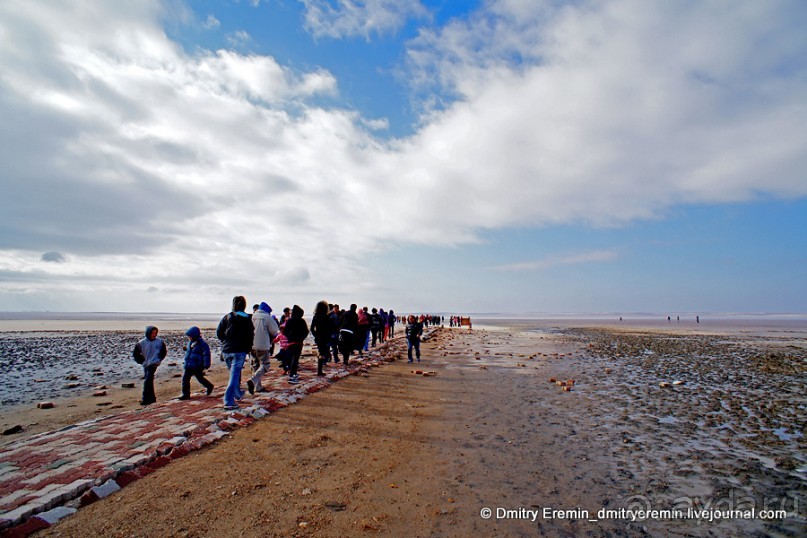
x,y
697,319
150,352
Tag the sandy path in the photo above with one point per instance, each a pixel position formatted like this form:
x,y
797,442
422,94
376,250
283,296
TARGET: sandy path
x,y
397,454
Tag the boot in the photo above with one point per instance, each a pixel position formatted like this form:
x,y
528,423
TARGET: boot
x,y
320,364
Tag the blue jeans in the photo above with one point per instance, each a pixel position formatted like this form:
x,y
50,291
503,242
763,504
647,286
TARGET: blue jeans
x,y
413,343
235,362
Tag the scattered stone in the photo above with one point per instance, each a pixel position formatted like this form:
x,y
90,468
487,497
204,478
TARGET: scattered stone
x,y
99,393
664,385
677,383
12,430
45,405
127,385
72,377
305,492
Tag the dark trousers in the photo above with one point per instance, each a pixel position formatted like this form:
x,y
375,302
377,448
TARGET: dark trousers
x,y
345,345
375,336
148,384
335,347
413,343
199,374
295,350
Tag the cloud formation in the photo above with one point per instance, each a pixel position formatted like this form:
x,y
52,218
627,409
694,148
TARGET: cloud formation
x,y
196,173
362,18
549,262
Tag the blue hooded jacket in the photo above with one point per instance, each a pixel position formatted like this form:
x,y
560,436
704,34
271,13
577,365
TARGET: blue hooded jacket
x,y
198,354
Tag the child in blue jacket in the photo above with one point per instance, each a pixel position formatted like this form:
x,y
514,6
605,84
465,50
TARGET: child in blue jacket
x,y
197,360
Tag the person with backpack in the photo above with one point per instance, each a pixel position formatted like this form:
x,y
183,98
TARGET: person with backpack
x,y
375,326
236,333
266,330
347,332
150,352
296,330
322,328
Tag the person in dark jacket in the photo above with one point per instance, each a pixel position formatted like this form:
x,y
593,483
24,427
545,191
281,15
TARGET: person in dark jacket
x,y
296,331
414,330
236,333
336,323
322,329
391,317
150,352
197,360
347,332
375,326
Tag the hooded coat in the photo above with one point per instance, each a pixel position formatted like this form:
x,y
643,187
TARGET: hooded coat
x,y
148,351
266,328
198,353
296,328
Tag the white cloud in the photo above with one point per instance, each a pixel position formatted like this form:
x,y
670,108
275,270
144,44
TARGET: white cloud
x,y
351,18
238,39
213,173
211,22
558,260
607,112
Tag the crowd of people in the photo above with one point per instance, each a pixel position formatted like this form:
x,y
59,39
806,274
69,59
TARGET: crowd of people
x,y
338,334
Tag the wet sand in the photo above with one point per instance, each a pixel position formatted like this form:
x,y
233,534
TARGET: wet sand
x,y
396,453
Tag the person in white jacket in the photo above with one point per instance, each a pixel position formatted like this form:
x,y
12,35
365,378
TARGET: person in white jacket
x,y
266,330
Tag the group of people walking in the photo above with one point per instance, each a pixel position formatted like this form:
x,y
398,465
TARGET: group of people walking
x,y
337,334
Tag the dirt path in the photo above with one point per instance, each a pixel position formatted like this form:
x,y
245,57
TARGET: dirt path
x,y
398,454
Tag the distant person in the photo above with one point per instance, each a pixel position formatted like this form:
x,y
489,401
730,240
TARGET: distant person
x,y
336,322
375,326
347,332
150,352
697,319
362,337
286,315
283,356
296,330
414,330
197,360
391,318
236,333
266,330
322,329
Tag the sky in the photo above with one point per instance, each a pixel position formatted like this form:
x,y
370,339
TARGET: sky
x,y
421,155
